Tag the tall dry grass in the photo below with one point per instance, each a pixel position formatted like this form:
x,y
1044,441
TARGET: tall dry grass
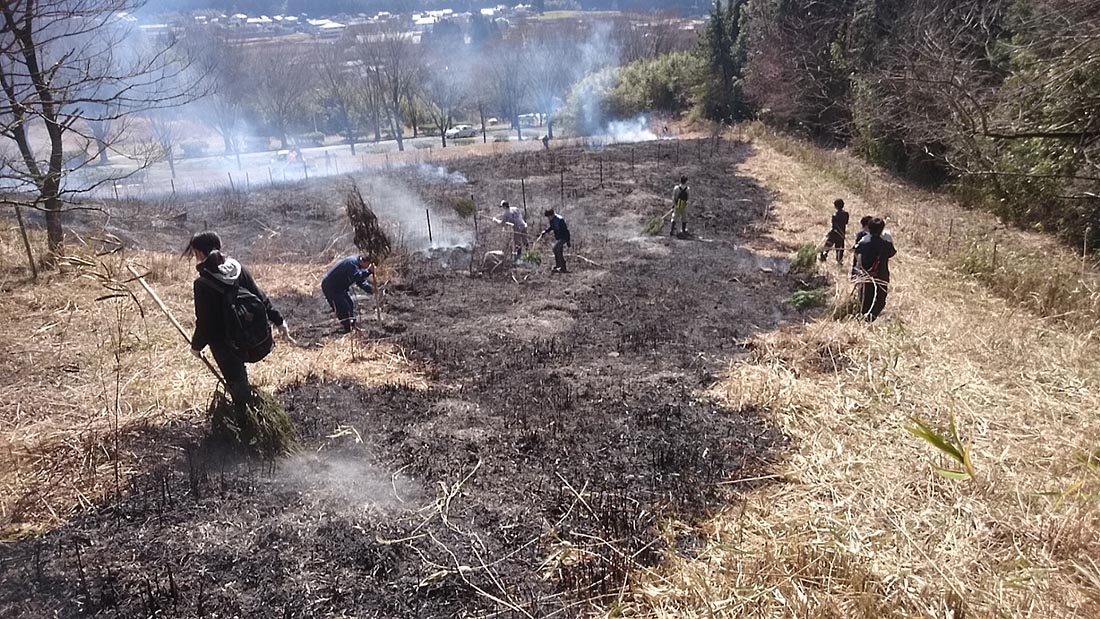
x,y
856,522
1035,271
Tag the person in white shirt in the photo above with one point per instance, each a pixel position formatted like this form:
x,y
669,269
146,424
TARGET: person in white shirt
x,y
514,218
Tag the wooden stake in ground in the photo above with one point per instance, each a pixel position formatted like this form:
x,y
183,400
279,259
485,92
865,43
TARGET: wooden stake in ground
x,y
26,242
523,190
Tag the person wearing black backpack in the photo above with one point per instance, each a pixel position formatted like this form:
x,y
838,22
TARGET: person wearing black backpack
x,y
874,252
232,315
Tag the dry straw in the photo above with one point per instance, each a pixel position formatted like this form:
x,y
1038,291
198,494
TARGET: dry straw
x,y
856,521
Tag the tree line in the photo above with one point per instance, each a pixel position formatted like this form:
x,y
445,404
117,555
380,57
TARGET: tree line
x,y
997,100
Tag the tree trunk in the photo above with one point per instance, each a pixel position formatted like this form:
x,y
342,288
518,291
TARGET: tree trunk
x,y
550,126
282,139
172,164
101,151
481,113
519,127
398,130
55,235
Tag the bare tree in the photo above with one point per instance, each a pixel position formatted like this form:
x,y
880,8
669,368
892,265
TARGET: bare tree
x,y
281,86
66,65
444,93
166,133
335,81
223,66
510,83
393,56
552,64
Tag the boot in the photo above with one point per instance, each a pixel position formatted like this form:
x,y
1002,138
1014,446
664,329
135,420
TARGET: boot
x,y
684,228
672,229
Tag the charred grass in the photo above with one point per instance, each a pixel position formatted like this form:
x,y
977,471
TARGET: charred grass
x,y
517,444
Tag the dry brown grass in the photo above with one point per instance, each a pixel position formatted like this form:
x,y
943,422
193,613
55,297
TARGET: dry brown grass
x,y
856,523
59,372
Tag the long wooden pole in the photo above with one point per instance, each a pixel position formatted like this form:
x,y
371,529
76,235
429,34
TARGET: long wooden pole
x,y
175,323
26,241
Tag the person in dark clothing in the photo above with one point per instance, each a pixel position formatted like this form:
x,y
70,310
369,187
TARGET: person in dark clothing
x,y
874,261
561,239
861,234
219,275
337,283
837,233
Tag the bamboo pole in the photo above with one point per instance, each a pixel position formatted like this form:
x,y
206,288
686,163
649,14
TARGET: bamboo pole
x,y
175,323
26,241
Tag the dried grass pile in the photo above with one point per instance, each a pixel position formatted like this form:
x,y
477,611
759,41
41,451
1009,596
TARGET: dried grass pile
x,y
260,425
370,238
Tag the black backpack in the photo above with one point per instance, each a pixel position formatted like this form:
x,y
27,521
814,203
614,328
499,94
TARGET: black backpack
x,y
246,324
681,193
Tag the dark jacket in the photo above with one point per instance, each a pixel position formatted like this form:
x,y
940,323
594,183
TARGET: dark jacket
x,y
558,227
344,274
840,221
211,304
874,257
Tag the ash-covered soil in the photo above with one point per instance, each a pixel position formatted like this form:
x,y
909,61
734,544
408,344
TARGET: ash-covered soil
x,y
565,424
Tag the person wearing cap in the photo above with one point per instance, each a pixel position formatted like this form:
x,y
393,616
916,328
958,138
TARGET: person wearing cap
x,y
514,218
337,283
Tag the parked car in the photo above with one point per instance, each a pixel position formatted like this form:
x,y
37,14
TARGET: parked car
x,y
461,131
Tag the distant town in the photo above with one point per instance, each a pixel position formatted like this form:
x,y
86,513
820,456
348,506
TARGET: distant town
x,y
243,26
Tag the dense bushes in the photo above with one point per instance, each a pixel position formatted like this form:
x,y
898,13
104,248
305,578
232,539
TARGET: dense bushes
x,y
663,84
997,99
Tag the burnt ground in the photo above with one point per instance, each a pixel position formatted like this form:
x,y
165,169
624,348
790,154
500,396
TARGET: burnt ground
x,y
565,424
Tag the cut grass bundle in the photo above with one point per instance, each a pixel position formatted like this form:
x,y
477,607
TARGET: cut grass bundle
x,y
805,259
656,225
464,206
532,256
260,425
808,299
370,238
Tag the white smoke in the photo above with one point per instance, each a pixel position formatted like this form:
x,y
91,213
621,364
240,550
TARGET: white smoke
x,y
406,216
439,174
629,131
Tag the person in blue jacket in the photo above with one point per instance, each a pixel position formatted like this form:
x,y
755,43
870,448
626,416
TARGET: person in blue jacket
x,y
337,283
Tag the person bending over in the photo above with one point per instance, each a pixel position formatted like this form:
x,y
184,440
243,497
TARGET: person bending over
x,y
337,283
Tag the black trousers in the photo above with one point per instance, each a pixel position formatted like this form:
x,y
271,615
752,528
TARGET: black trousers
x,y
559,255
873,298
341,302
233,371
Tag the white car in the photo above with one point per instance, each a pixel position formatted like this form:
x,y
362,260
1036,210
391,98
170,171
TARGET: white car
x,y
461,131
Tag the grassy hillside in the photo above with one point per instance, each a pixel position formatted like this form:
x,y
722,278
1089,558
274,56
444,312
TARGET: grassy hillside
x,y
855,523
